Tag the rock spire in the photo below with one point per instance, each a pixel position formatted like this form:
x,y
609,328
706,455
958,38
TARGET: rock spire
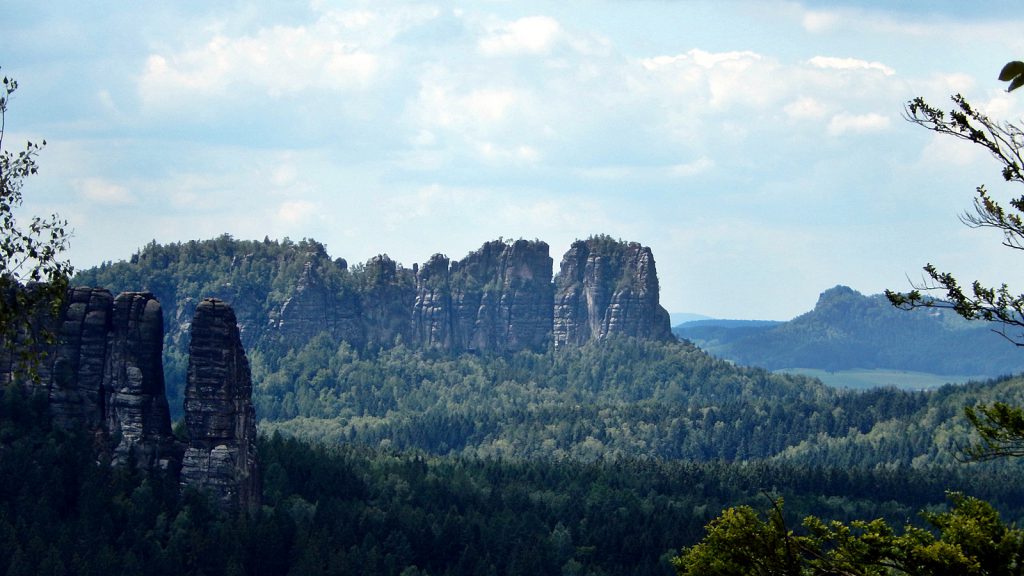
x,y
219,415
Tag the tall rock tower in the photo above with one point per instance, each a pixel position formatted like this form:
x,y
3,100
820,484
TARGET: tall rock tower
x,y
221,421
607,287
136,403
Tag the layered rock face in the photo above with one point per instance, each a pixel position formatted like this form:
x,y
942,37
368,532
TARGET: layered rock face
x,y
501,298
74,371
432,308
136,408
386,301
497,299
221,454
104,373
315,307
607,288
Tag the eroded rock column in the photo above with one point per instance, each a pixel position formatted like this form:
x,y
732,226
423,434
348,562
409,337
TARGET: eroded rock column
x,y
137,416
221,454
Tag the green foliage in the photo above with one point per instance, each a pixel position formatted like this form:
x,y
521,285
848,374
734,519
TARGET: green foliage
x,y
606,400
970,538
28,254
1012,72
1001,428
1005,142
350,509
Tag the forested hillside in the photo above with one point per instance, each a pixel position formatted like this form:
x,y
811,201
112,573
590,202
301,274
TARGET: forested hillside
x,y
847,330
358,510
618,397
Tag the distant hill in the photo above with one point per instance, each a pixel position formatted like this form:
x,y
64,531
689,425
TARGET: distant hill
x,y
677,318
848,330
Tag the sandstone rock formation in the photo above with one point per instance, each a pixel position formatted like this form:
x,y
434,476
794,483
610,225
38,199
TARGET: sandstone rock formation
x,y
432,308
502,297
496,299
499,298
104,373
221,421
387,295
604,288
137,414
317,306
73,370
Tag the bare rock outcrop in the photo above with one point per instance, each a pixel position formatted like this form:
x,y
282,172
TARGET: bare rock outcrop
x,y
497,299
103,373
317,306
607,287
137,415
73,370
386,302
432,308
219,415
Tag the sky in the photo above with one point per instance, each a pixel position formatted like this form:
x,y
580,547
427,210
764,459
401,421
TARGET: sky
x,y
759,148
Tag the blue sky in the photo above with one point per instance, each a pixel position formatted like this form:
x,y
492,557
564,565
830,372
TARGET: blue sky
x,y
757,147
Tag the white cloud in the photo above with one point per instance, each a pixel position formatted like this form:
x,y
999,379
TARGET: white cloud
x,y
857,123
427,203
702,58
104,192
340,52
702,164
849,64
805,107
284,175
530,35
819,21
295,211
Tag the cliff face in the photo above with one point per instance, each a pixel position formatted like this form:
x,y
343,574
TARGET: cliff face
x,y
432,308
607,288
104,373
136,408
499,298
496,299
315,306
74,372
387,294
502,297
221,421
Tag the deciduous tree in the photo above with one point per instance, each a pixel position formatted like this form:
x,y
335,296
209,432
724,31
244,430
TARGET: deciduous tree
x,y
33,274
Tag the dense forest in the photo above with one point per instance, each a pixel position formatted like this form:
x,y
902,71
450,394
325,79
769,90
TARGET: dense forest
x,y
848,330
621,397
347,509
602,458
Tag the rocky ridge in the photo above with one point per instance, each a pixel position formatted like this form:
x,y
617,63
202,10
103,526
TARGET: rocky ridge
x,y
500,298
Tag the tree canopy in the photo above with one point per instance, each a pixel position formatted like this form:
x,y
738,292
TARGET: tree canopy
x,y
970,538
33,274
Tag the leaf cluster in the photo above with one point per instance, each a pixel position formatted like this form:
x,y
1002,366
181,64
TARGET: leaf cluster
x,y
1005,142
970,538
29,254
